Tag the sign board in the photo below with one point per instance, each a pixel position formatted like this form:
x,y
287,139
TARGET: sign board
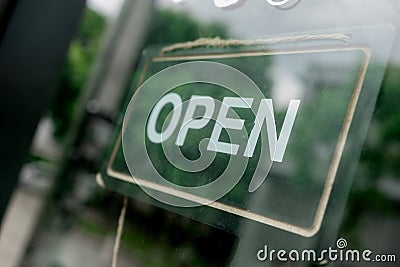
x,y
259,132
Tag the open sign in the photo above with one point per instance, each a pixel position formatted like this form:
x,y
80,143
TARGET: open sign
x,y
225,128
265,114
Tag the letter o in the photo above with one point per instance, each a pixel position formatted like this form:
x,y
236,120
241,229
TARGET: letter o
x,y
152,134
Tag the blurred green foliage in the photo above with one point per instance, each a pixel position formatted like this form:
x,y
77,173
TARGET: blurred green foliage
x,y
167,27
380,158
82,52
171,27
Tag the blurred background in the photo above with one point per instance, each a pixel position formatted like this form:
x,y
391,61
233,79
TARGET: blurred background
x,y
66,69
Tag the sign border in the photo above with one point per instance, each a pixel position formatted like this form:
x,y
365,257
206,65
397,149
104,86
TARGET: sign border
x,y
334,165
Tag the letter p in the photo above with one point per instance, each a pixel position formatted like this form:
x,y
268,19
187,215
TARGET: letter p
x,y
189,122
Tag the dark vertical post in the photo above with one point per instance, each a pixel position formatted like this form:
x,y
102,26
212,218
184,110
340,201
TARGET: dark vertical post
x,y
32,52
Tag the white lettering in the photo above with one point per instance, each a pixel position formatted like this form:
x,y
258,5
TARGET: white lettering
x,y
224,122
152,133
189,122
265,114
277,146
